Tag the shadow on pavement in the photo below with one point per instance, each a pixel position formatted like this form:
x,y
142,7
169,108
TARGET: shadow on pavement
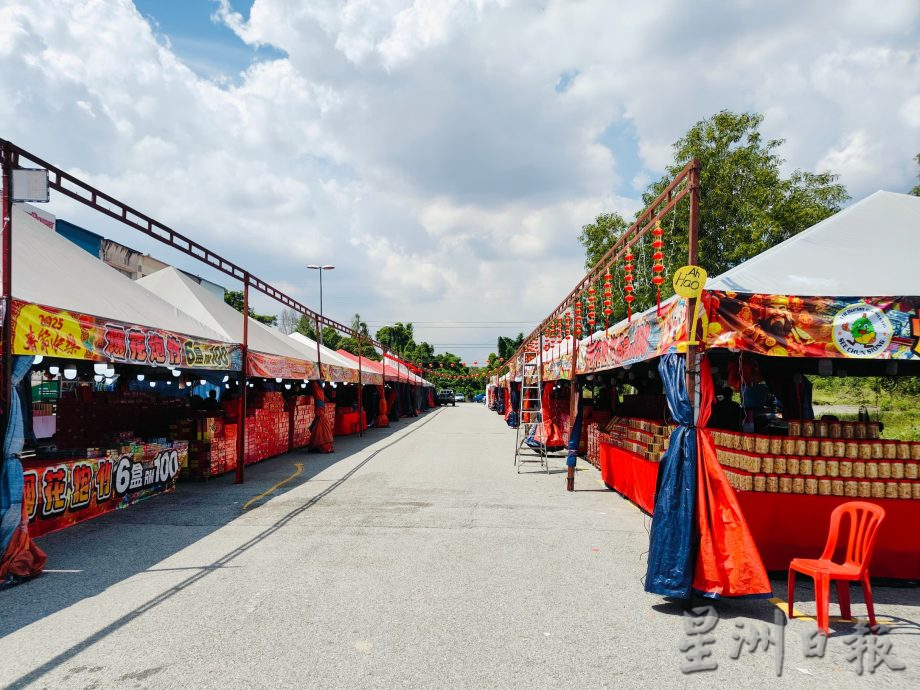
x,y
88,558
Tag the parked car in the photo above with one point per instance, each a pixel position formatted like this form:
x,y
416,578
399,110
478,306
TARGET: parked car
x,y
459,397
447,397
479,397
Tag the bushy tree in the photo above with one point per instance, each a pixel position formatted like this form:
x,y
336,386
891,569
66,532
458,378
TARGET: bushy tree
x,y
746,204
235,299
916,190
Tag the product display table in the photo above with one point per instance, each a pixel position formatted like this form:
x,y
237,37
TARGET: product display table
x,y
628,474
349,422
784,526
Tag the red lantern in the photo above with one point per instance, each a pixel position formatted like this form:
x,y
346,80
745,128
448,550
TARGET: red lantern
x,y
658,258
577,319
608,292
628,279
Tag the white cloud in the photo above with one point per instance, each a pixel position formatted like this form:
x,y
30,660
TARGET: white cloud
x,y
423,145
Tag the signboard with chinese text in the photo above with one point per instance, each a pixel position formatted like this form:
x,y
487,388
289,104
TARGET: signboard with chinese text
x,y
648,335
50,332
60,493
276,366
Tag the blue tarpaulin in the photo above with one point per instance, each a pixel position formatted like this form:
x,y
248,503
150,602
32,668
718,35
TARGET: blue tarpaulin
x,y
672,542
575,431
11,470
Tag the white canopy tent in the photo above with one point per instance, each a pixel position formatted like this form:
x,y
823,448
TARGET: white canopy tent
x,y
868,249
183,292
49,270
307,345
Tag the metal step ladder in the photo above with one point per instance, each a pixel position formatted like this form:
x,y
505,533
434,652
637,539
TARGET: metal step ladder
x,y
530,409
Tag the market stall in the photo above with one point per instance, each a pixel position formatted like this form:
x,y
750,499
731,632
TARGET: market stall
x,y
804,308
373,396
279,408
98,336
341,388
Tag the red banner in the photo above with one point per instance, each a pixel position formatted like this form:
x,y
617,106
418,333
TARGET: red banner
x,y
59,493
279,367
40,330
649,335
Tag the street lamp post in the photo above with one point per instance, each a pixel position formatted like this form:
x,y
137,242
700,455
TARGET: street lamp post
x,y
324,267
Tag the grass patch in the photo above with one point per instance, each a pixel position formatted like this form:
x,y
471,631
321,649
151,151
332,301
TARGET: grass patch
x,y
893,401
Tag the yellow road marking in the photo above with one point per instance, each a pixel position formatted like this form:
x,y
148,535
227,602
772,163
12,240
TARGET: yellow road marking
x,y
262,495
782,606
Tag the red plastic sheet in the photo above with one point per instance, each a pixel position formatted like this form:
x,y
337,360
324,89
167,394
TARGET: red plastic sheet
x,y
349,422
784,526
630,475
787,526
321,438
728,562
23,557
383,419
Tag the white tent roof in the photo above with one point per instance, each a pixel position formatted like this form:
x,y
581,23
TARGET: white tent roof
x,y
866,250
307,345
178,289
50,270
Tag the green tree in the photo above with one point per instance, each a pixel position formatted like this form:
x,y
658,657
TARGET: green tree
x,y
916,190
331,337
599,236
235,299
361,344
398,338
508,346
746,204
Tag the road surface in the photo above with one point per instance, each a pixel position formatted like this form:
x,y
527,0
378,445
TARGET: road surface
x,y
415,556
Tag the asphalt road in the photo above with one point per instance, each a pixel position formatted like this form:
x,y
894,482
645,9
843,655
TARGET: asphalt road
x,y
415,556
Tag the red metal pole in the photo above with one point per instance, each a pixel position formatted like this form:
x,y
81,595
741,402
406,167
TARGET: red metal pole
x,y
319,358
6,392
692,252
244,386
360,390
573,410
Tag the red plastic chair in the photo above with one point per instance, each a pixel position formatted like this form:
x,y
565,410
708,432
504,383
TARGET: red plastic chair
x,y
865,519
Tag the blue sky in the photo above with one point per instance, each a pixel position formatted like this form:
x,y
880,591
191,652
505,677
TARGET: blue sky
x,y
442,155
207,46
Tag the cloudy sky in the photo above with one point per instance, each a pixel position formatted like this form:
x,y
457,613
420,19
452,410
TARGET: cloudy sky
x,y
443,154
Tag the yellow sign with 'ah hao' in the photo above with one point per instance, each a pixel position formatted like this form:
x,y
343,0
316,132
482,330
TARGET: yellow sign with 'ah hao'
x,y
689,281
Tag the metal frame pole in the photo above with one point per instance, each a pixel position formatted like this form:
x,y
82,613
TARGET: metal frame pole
x,y
244,386
574,394
360,390
692,255
6,383
319,357
319,331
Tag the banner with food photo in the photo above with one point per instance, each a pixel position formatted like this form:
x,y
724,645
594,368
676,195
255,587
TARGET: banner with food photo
x,y
836,327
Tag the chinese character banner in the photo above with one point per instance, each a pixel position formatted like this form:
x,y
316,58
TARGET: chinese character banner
x,y
277,366
40,330
792,326
646,336
59,493
333,372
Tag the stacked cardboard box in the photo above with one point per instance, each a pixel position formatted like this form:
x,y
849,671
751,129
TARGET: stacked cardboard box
x,y
826,466
593,454
647,438
303,418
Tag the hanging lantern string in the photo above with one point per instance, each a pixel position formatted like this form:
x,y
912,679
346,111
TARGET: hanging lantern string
x,y
658,262
608,294
628,288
